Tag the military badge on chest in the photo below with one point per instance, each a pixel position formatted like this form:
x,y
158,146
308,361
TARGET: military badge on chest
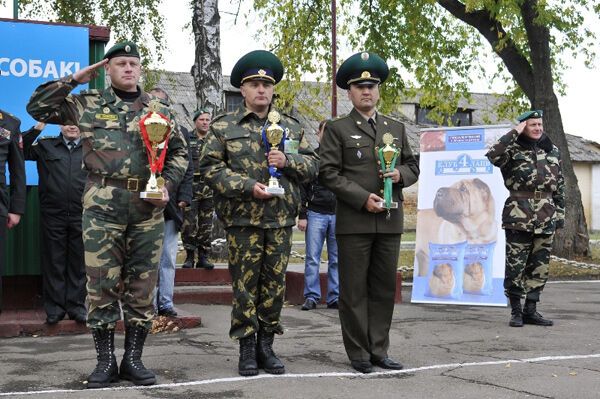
x,y
5,134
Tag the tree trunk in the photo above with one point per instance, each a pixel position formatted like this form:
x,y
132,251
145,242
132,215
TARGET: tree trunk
x,y
573,239
207,73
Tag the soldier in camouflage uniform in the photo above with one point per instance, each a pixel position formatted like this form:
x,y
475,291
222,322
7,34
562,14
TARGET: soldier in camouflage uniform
x,y
531,168
122,233
197,224
235,163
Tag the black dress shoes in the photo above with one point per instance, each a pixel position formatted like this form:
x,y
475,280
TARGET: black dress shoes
x,y
309,304
387,363
363,366
52,319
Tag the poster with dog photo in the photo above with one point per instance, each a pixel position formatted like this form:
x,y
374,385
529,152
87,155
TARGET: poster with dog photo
x,y
459,244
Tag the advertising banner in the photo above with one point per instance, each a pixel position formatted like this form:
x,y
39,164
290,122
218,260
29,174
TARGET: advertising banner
x,y
32,54
459,245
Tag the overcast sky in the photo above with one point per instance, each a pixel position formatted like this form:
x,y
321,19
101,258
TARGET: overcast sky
x,y
578,107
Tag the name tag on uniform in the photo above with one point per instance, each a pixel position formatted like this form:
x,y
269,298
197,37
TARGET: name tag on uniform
x,y
291,146
107,117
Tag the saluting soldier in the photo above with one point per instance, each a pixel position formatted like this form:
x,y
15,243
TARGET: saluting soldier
x,y
61,185
12,199
122,233
198,217
531,167
367,234
237,162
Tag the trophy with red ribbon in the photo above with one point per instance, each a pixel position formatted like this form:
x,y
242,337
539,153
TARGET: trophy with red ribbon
x,y
155,129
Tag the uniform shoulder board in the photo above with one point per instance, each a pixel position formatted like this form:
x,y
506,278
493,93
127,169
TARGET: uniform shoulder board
x,y
216,118
8,116
48,137
337,118
391,118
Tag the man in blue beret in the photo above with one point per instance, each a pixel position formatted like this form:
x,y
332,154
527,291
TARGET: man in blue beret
x,y
531,168
368,235
237,162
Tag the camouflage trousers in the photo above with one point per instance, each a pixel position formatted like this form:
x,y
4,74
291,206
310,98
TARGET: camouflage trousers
x,y
122,236
527,263
258,261
197,225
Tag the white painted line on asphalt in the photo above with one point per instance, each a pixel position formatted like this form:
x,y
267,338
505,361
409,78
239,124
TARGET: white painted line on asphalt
x,y
314,375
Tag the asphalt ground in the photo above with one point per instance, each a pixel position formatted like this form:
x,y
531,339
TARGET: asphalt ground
x,y
448,352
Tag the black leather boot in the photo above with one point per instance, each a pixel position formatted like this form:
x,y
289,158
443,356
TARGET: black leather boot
x,y
247,364
267,359
189,259
531,316
132,368
106,370
516,314
203,263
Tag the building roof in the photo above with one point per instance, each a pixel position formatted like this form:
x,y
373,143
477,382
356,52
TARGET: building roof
x,y
180,87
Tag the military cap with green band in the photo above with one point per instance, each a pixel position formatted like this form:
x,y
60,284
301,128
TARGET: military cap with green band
x,y
200,112
360,68
122,49
257,65
538,113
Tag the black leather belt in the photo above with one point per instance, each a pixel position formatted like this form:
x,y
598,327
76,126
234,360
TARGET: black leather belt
x,y
537,195
126,184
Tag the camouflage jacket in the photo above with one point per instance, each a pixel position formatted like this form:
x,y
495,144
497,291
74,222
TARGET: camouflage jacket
x,y
234,159
201,189
110,132
529,166
12,200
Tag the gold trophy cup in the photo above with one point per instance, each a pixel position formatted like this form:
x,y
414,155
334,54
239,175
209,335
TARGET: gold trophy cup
x,y
274,134
155,129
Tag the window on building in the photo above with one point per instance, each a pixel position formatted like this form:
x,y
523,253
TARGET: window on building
x,y
233,100
462,117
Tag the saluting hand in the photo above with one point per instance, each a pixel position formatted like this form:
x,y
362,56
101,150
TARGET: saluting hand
x,y
372,203
520,127
89,72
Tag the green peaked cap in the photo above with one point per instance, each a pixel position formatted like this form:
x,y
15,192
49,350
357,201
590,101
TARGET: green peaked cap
x,y
123,49
363,67
538,113
257,65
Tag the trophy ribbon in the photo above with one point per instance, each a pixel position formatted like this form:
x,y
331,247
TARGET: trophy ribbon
x,y
155,129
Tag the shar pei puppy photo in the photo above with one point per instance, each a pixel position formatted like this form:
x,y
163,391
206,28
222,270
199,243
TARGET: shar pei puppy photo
x,y
464,211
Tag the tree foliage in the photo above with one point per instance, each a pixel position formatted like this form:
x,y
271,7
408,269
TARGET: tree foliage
x,y
137,20
433,53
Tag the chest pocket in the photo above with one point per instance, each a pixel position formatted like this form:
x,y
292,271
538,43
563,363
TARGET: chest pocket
x,y
238,144
108,135
358,151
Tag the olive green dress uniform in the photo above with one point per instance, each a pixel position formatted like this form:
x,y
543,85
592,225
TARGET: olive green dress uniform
x,y
368,243
122,232
12,199
259,232
534,209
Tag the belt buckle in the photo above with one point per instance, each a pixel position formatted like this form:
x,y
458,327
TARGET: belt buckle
x,y
132,184
537,195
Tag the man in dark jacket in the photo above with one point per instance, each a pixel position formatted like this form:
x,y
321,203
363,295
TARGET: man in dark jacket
x,y
178,200
317,219
61,183
12,202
